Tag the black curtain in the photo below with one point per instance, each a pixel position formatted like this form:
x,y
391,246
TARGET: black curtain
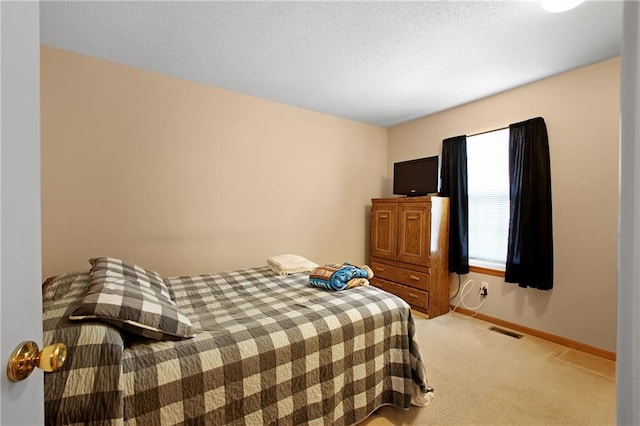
x,y
530,247
454,185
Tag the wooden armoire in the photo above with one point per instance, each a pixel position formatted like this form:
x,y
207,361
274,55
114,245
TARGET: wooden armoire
x,y
410,250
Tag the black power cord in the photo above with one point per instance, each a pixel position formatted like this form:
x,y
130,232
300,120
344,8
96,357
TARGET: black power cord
x,y
459,285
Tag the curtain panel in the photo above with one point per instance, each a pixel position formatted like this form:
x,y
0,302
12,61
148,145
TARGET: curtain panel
x,y
454,185
530,247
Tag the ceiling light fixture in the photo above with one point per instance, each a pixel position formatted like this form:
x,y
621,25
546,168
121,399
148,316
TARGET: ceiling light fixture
x,y
557,6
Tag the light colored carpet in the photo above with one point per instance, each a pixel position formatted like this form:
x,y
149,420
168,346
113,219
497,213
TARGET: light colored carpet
x,y
485,378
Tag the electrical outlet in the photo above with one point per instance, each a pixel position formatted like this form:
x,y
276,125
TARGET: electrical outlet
x,y
484,288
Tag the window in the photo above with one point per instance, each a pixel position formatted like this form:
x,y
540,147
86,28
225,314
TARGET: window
x,y
488,180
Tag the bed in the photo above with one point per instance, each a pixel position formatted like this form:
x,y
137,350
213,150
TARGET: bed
x,y
265,349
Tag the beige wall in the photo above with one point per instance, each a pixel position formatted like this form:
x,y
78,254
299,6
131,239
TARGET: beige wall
x,y
581,110
188,178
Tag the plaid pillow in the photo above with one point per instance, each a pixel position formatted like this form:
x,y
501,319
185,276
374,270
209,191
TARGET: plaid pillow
x,y
112,267
134,305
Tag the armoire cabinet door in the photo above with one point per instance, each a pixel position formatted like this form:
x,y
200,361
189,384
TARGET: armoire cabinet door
x,y
414,235
384,227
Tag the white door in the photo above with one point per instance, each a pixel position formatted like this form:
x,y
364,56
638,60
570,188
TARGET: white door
x,y
20,266
628,350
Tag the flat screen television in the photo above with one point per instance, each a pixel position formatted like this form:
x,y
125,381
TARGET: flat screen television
x,y
416,177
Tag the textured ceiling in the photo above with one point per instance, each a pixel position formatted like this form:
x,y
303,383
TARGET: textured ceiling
x,y
376,62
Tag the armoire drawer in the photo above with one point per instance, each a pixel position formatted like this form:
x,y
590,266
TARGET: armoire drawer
x,y
399,275
412,296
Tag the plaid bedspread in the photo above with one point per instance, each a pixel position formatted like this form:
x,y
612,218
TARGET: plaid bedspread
x,y
268,349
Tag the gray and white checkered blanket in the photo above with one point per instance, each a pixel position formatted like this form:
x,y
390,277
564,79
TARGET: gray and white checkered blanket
x,y
268,349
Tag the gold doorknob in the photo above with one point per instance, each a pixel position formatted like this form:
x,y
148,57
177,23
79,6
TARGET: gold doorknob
x,y
27,356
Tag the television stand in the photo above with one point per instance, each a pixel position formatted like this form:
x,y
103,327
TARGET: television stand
x,y
410,250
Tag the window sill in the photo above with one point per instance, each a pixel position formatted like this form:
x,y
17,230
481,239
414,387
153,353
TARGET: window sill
x,y
486,271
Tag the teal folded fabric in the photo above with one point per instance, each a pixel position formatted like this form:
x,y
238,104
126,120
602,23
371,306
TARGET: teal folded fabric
x,y
335,276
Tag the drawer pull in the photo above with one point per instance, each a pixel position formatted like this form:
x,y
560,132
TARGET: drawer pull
x,y
412,217
384,216
413,277
377,268
415,296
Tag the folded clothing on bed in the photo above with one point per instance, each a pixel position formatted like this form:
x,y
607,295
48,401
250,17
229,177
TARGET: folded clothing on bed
x,y
286,264
336,276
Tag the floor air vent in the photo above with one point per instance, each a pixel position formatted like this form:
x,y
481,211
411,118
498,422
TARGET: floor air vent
x,y
506,332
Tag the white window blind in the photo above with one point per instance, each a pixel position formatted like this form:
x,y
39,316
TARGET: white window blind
x,y
488,179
